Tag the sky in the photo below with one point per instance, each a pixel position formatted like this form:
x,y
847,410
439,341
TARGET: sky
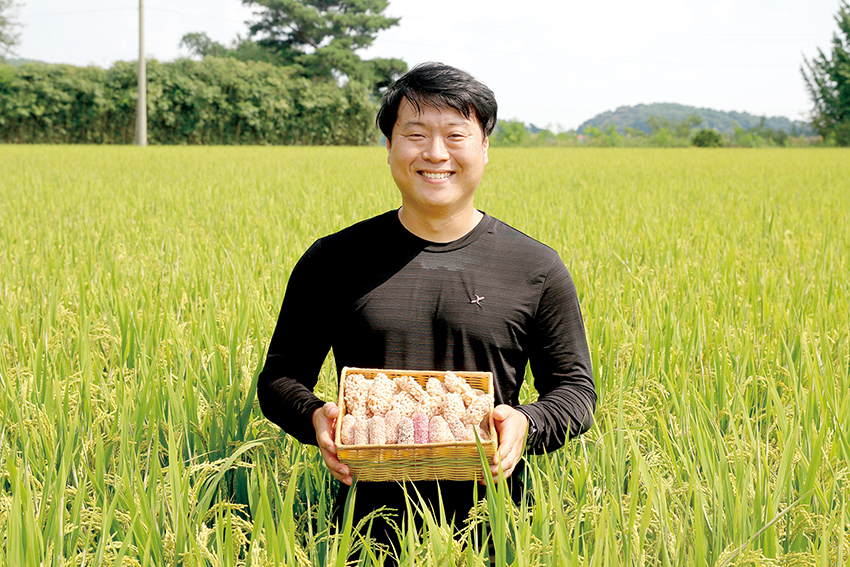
x,y
551,63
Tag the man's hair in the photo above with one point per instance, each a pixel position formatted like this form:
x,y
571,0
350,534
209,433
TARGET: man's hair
x,y
439,86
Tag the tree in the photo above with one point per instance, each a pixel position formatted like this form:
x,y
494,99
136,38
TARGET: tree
x,y
201,45
8,28
707,138
321,37
828,82
681,129
606,137
510,134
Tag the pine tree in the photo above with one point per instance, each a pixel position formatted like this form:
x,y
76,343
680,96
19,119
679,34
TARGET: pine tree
x,y
322,37
828,82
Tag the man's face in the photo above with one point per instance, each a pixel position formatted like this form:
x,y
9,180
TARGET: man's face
x,y
437,159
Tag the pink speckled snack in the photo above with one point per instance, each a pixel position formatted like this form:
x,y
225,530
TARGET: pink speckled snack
x,y
420,428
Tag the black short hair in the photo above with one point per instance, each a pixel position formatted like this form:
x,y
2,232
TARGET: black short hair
x,y
439,86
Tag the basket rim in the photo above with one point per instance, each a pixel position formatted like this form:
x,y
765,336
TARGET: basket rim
x,y
416,445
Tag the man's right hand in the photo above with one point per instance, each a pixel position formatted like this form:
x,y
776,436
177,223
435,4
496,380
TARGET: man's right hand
x,y
323,423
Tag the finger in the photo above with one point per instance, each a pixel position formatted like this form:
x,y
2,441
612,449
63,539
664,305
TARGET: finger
x,y
326,443
337,469
509,446
501,462
325,437
507,470
507,463
509,453
343,478
507,467
340,471
331,410
501,412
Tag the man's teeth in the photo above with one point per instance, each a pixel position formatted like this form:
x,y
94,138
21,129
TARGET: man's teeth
x,y
436,175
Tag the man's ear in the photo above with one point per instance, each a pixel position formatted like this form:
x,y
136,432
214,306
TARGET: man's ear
x,y
486,147
389,147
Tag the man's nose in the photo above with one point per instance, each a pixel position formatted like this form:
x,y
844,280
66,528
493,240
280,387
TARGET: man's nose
x,y
436,150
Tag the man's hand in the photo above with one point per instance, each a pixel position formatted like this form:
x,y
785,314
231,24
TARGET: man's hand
x,y
512,427
323,422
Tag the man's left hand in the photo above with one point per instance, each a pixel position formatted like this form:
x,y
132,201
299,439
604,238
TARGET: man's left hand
x,y
512,427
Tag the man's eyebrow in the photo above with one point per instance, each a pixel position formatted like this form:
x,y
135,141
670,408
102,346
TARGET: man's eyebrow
x,y
417,123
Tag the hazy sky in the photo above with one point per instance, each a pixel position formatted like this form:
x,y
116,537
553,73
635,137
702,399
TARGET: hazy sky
x,y
550,62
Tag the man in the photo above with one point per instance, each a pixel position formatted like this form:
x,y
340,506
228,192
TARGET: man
x,y
434,285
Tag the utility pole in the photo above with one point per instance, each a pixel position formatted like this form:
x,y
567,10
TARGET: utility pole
x,y
142,103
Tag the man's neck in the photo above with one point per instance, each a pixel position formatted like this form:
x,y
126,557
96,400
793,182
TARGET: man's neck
x,y
440,229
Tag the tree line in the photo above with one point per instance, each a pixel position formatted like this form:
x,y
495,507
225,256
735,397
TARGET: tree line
x,y
297,79
664,133
212,101
725,122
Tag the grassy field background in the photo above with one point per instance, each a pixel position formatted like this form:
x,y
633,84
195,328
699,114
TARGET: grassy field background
x,y
140,287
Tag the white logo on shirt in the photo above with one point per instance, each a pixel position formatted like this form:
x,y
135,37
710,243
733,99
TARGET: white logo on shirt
x,y
477,301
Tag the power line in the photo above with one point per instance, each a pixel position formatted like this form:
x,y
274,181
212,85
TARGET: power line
x,y
132,8
75,12
194,15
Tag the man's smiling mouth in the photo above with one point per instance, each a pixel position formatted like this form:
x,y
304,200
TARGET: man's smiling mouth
x,y
444,175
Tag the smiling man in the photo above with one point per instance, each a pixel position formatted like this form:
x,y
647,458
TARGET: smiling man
x,y
434,285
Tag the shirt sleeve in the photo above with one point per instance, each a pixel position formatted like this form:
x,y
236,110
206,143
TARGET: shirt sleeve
x,y
299,345
560,363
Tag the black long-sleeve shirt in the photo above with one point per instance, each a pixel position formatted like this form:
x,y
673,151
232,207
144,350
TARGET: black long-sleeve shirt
x,y
380,297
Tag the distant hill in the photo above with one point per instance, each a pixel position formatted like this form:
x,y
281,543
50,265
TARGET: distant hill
x,y
18,62
638,117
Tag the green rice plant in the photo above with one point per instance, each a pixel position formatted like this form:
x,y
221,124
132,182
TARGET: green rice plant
x,y
139,290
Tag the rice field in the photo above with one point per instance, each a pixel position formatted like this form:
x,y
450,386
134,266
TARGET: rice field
x,y
139,289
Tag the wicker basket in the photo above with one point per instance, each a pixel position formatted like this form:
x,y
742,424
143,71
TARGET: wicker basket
x,y
432,461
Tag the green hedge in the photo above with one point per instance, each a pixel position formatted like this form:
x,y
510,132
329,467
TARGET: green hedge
x,y
214,101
